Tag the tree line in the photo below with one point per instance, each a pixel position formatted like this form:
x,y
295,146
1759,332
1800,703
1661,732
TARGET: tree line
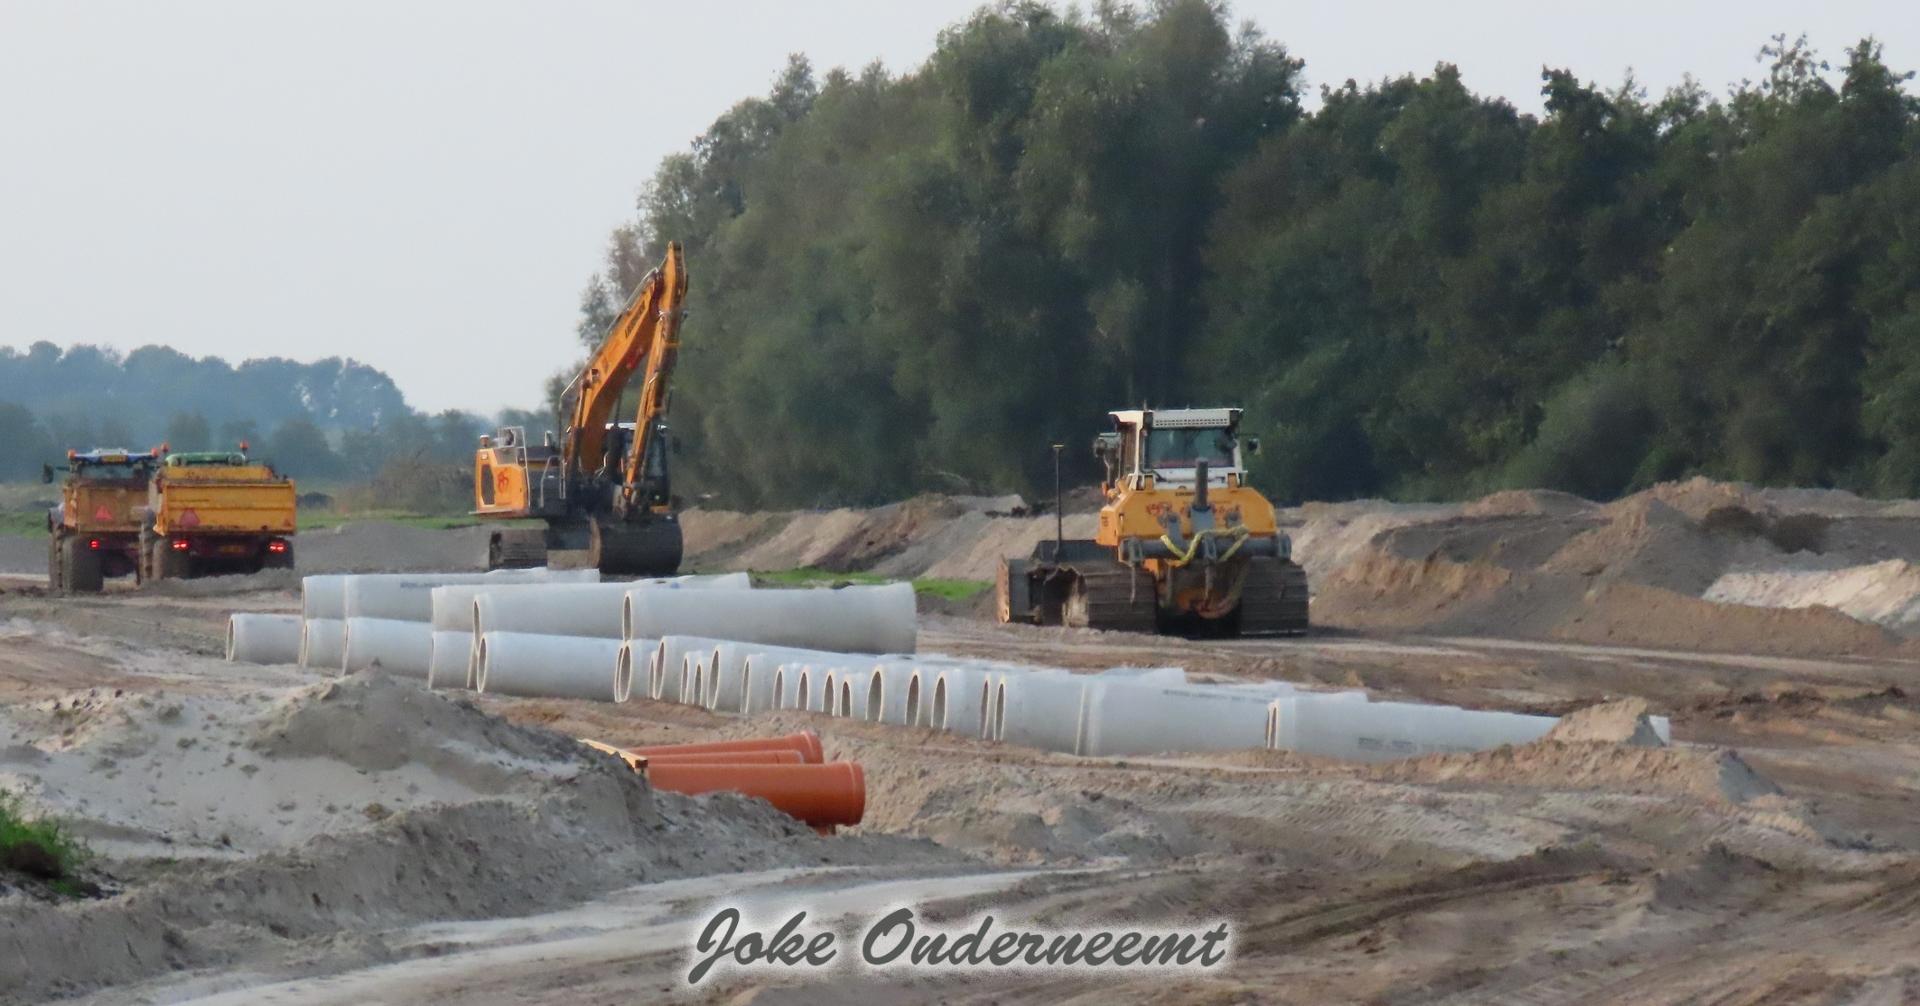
x,y
329,420
905,282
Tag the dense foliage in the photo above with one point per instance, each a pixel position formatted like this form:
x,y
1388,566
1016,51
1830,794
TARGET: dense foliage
x,y
326,420
919,282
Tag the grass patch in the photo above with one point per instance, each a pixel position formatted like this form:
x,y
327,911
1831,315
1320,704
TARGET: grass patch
x,y
807,576
311,520
24,523
39,848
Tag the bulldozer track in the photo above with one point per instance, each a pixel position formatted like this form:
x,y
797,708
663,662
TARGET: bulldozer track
x,y
1120,599
1273,600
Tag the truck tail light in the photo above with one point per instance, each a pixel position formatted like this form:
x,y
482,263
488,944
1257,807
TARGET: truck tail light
x,y
94,544
180,544
277,546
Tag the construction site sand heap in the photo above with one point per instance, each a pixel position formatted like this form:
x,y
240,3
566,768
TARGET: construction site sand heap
x,y
1696,564
424,807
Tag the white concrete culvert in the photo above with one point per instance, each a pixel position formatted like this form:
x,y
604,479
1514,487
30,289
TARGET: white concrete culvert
x,y
666,665
323,643
888,686
398,646
1040,710
786,686
409,596
1135,716
257,638
1327,727
738,669
956,702
633,659
575,609
562,667
859,619
323,596
450,665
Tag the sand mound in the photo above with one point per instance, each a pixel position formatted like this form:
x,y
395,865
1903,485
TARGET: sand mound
x,y
1624,721
1698,496
1886,593
1714,775
1529,503
425,809
1645,541
1628,613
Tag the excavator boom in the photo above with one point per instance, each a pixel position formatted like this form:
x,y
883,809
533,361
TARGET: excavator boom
x,y
601,488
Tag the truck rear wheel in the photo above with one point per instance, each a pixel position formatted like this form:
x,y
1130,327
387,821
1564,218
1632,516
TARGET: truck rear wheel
x,y
82,569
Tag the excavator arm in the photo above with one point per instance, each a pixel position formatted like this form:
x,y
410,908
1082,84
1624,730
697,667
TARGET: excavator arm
x,y
637,477
634,340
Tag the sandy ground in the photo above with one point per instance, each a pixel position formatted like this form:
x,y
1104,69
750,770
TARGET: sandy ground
x,y
267,834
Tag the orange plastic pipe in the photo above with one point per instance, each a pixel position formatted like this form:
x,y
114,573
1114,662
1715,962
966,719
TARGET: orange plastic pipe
x,y
784,756
820,795
806,742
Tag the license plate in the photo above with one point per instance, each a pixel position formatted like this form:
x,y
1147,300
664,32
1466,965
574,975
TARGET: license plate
x,y
231,550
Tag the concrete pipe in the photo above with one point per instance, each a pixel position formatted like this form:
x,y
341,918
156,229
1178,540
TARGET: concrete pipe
x,y
634,654
409,596
1386,731
1273,709
323,643
786,686
889,686
820,795
399,647
1132,716
876,619
453,604
256,638
728,669
323,596
1041,711
1145,675
665,668
450,664
570,609
561,667
956,700
806,742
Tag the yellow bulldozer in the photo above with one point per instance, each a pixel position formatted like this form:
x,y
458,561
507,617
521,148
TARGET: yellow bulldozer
x,y
601,486
1184,545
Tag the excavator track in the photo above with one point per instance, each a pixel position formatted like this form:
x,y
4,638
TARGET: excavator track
x,y
1273,599
1118,599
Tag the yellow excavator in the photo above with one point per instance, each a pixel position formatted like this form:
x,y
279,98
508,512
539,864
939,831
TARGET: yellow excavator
x,y
603,486
1184,544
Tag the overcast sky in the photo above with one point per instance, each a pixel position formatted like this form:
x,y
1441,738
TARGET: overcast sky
x,y
426,186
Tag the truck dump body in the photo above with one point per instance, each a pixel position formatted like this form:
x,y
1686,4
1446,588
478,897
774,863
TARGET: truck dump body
x,y
245,499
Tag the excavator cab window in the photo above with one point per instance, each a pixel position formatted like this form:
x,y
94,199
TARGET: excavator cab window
x,y
1186,448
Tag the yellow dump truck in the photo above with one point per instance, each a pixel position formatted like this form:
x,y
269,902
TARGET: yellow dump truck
x,y
94,531
216,512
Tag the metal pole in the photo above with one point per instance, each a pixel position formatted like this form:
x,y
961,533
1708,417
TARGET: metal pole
x,y
1059,508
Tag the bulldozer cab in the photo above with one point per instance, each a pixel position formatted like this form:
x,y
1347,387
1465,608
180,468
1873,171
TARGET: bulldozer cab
x,y
1168,446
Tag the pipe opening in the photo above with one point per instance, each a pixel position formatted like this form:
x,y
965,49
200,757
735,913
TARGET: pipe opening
x,y
622,674
829,695
802,695
940,703
746,686
779,688
986,710
913,701
230,644
626,618
477,631
876,691
846,698
1000,711
1272,714
480,665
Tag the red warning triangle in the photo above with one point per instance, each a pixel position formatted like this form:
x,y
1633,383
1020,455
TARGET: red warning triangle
x,y
188,518
102,513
